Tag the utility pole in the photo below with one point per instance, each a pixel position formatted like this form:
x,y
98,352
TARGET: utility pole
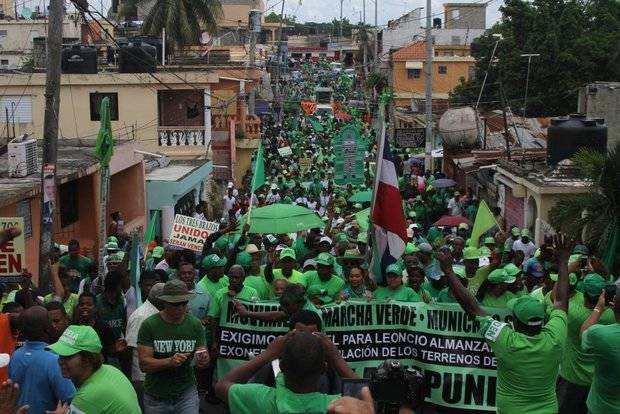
x,y
376,34
428,147
252,100
529,57
340,35
277,83
50,140
366,41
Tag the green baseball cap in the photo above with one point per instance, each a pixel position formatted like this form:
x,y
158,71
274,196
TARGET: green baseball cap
x,y
112,239
158,252
463,226
341,237
316,291
527,310
244,260
325,259
362,238
512,270
593,285
412,214
525,233
515,231
393,269
489,240
410,248
77,338
213,260
581,249
357,206
500,276
288,252
484,251
459,271
471,253
115,258
572,278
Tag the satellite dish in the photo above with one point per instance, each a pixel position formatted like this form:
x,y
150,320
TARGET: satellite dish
x,y
26,13
205,38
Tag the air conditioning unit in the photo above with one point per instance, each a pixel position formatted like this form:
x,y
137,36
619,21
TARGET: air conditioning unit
x,y
22,156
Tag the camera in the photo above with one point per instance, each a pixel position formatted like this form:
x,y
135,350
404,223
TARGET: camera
x,y
392,386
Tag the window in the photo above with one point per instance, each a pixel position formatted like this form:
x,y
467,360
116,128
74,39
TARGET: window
x,y
456,40
3,34
456,14
4,62
442,70
68,203
19,107
413,73
95,105
471,72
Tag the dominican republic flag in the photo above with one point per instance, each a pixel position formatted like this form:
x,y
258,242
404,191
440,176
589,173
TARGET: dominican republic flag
x,y
388,218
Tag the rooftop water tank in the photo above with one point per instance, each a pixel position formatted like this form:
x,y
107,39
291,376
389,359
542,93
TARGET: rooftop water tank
x,y
566,135
459,127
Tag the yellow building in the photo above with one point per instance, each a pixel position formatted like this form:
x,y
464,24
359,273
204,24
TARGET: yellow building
x,y
450,65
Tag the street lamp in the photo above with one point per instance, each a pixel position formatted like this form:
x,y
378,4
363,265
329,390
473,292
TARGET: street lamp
x,y
529,57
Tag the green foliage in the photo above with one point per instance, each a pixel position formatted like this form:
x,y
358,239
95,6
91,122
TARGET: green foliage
x,y
598,210
377,81
578,42
184,20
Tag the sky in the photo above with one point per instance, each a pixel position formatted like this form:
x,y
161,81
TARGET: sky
x,y
326,10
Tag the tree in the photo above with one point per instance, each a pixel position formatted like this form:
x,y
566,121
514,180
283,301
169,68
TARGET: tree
x,y
184,20
578,42
594,214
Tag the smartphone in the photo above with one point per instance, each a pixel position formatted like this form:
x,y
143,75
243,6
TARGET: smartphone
x,y
610,293
352,387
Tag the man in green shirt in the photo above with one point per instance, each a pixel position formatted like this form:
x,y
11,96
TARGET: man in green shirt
x,y
169,342
212,269
303,358
528,356
603,342
288,261
76,264
324,281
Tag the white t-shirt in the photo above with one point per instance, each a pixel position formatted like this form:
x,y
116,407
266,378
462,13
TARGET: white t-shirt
x,y
454,207
229,203
131,335
528,248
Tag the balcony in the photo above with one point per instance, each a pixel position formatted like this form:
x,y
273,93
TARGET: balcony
x,y
181,136
252,127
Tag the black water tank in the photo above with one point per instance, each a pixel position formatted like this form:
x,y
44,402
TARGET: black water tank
x,y
151,40
137,57
568,134
78,59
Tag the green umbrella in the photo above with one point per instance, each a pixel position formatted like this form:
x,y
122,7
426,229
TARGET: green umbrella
x,y
282,218
363,218
361,197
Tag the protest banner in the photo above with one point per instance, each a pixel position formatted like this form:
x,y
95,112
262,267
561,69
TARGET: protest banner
x,y
285,151
190,233
305,163
349,162
439,339
13,253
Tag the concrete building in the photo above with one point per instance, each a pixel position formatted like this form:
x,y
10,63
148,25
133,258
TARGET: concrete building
x,y
409,66
465,15
602,100
401,32
77,197
179,113
17,37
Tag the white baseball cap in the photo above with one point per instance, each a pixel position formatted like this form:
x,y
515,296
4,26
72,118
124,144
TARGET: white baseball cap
x,y
251,248
325,239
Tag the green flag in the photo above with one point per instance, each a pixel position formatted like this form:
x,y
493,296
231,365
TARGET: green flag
x,y
134,267
484,221
150,232
609,256
105,145
258,180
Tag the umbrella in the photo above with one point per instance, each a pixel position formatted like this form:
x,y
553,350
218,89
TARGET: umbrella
x,y
282,218
443,183
451,221
361,197
343,116
363,217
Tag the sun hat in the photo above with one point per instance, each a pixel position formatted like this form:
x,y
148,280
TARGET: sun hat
x,y
77,338
158,252
325,259
500,276
527,310
175,291
288,252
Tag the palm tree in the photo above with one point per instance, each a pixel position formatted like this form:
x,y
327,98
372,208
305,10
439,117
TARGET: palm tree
x,y
594,216
184,20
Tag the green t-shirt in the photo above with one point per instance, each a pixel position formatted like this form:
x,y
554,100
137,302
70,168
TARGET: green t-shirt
x,y
577,365
258,398
207,284
497,301
428,286
301,250
445,296
402,294
480,276
603,342
69,304
333,286
527,365
94,396
260,285
166,339
215,307
80,265
114,316
296,277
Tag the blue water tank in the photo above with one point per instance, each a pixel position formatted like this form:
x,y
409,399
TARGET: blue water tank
x,y
566,135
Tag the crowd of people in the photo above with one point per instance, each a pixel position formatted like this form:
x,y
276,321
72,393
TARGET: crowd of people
x,y
91,346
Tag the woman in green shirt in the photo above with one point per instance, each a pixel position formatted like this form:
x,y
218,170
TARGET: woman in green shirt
x,y
415,278
356,286
395,289
494,292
